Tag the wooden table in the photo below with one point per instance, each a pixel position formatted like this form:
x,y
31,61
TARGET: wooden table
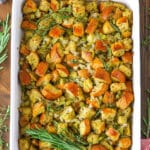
x,y
145,58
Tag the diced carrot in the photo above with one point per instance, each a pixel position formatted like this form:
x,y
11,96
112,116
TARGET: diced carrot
x,y
41,69
87,56
127,57
97,63
56,32
50,92
102,75
71,60
98,147
55,53
78,29
108,98
83,73
106,12
129,86
24,77
28,25
118,75
62,70
125,100
72,88
24,50
99,45
92,25
93,103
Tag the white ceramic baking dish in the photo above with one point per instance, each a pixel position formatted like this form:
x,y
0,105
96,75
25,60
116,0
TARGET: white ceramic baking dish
x,y
15,87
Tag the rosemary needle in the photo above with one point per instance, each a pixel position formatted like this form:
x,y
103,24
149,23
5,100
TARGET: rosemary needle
x,y
56,140
4,38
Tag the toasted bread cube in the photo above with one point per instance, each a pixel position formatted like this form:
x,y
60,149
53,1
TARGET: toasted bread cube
x,y
125,100
100,46
94,103
127,44
129,86
44,5
68,114
84,73
125,142
127,57
55,75
24,50
102,75
54,4
99,89
44,118
87,56
29,7
42,68
106,12
118,76
87,85
97,63
62,70
98,147
44,145
38,108
85,127
122,23
92,25
24,77
108,98
33,60
115,87
71,60
78,29
93,138
34,42
56,53
113,134
118,49
56,32
24,144
108,114
107,28
68,23
28,25
35,95
50,92
126,70
78,9
86,113
98,126
44,80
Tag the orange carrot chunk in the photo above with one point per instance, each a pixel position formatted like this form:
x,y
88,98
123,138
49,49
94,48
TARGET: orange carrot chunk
x,y
99,45
28,25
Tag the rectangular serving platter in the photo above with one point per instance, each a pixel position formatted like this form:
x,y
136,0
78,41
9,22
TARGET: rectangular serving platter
x,y
16,36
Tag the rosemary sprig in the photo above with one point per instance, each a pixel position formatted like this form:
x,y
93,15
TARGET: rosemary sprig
x,y
4,114
56,140
4,38
146,121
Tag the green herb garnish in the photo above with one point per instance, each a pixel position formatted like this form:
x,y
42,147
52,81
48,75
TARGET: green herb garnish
x,y
56,140
146,121
4,114
4,38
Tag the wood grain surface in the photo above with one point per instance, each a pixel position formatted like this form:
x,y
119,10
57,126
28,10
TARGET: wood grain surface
x,y
145,58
